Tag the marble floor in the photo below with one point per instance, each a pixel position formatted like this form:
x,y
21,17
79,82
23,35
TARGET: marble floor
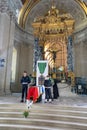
x,y
70,98
66,97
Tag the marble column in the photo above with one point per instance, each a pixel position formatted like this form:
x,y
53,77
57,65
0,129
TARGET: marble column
x,y
70,54
37,53
7,28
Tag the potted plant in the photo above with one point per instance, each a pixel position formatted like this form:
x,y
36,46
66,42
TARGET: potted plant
x,y
26,113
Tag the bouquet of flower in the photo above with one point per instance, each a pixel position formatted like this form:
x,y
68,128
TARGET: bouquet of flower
x,y
26,113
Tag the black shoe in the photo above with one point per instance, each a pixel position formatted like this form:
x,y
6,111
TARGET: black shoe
x,y
21,101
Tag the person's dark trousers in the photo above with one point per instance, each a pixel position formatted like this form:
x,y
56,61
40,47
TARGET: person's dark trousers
x,y
48,93
39,99
24,92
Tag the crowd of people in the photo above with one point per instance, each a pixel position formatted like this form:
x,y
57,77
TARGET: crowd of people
x,y
50,87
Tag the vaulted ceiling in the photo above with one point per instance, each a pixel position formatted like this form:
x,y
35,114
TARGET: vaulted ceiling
x,y
36,8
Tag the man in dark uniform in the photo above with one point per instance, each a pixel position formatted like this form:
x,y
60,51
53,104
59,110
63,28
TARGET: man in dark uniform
x,y
25,80
48,85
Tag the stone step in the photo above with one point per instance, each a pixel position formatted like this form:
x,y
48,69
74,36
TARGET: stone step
x,y
62,113
13,105
59,107
11,114
44,110
11,109
30,127
59,117
4,111
42,117
51,124
45,106
49,117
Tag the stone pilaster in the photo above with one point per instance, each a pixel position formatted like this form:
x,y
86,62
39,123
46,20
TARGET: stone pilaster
x,y
80,53
7,28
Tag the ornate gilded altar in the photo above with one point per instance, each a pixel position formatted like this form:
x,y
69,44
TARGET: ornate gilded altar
x,y
53,30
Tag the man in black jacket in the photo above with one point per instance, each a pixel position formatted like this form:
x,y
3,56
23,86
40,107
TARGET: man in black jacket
x,y
48,85
25,80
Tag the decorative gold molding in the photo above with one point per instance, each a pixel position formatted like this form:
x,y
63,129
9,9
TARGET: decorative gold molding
x,y
25,11
28,10
83,5
29,4
22,13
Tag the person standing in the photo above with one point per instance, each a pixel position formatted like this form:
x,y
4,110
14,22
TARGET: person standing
x,y
55,90
25,80
48,85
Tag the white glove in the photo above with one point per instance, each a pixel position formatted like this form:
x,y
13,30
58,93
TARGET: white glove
x,y
29,103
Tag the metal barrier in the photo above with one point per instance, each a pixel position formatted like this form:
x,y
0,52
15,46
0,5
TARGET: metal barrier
x,y
81,85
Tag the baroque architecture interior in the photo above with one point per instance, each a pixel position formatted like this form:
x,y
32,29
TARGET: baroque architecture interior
x,y
32,30
36,30
53,31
